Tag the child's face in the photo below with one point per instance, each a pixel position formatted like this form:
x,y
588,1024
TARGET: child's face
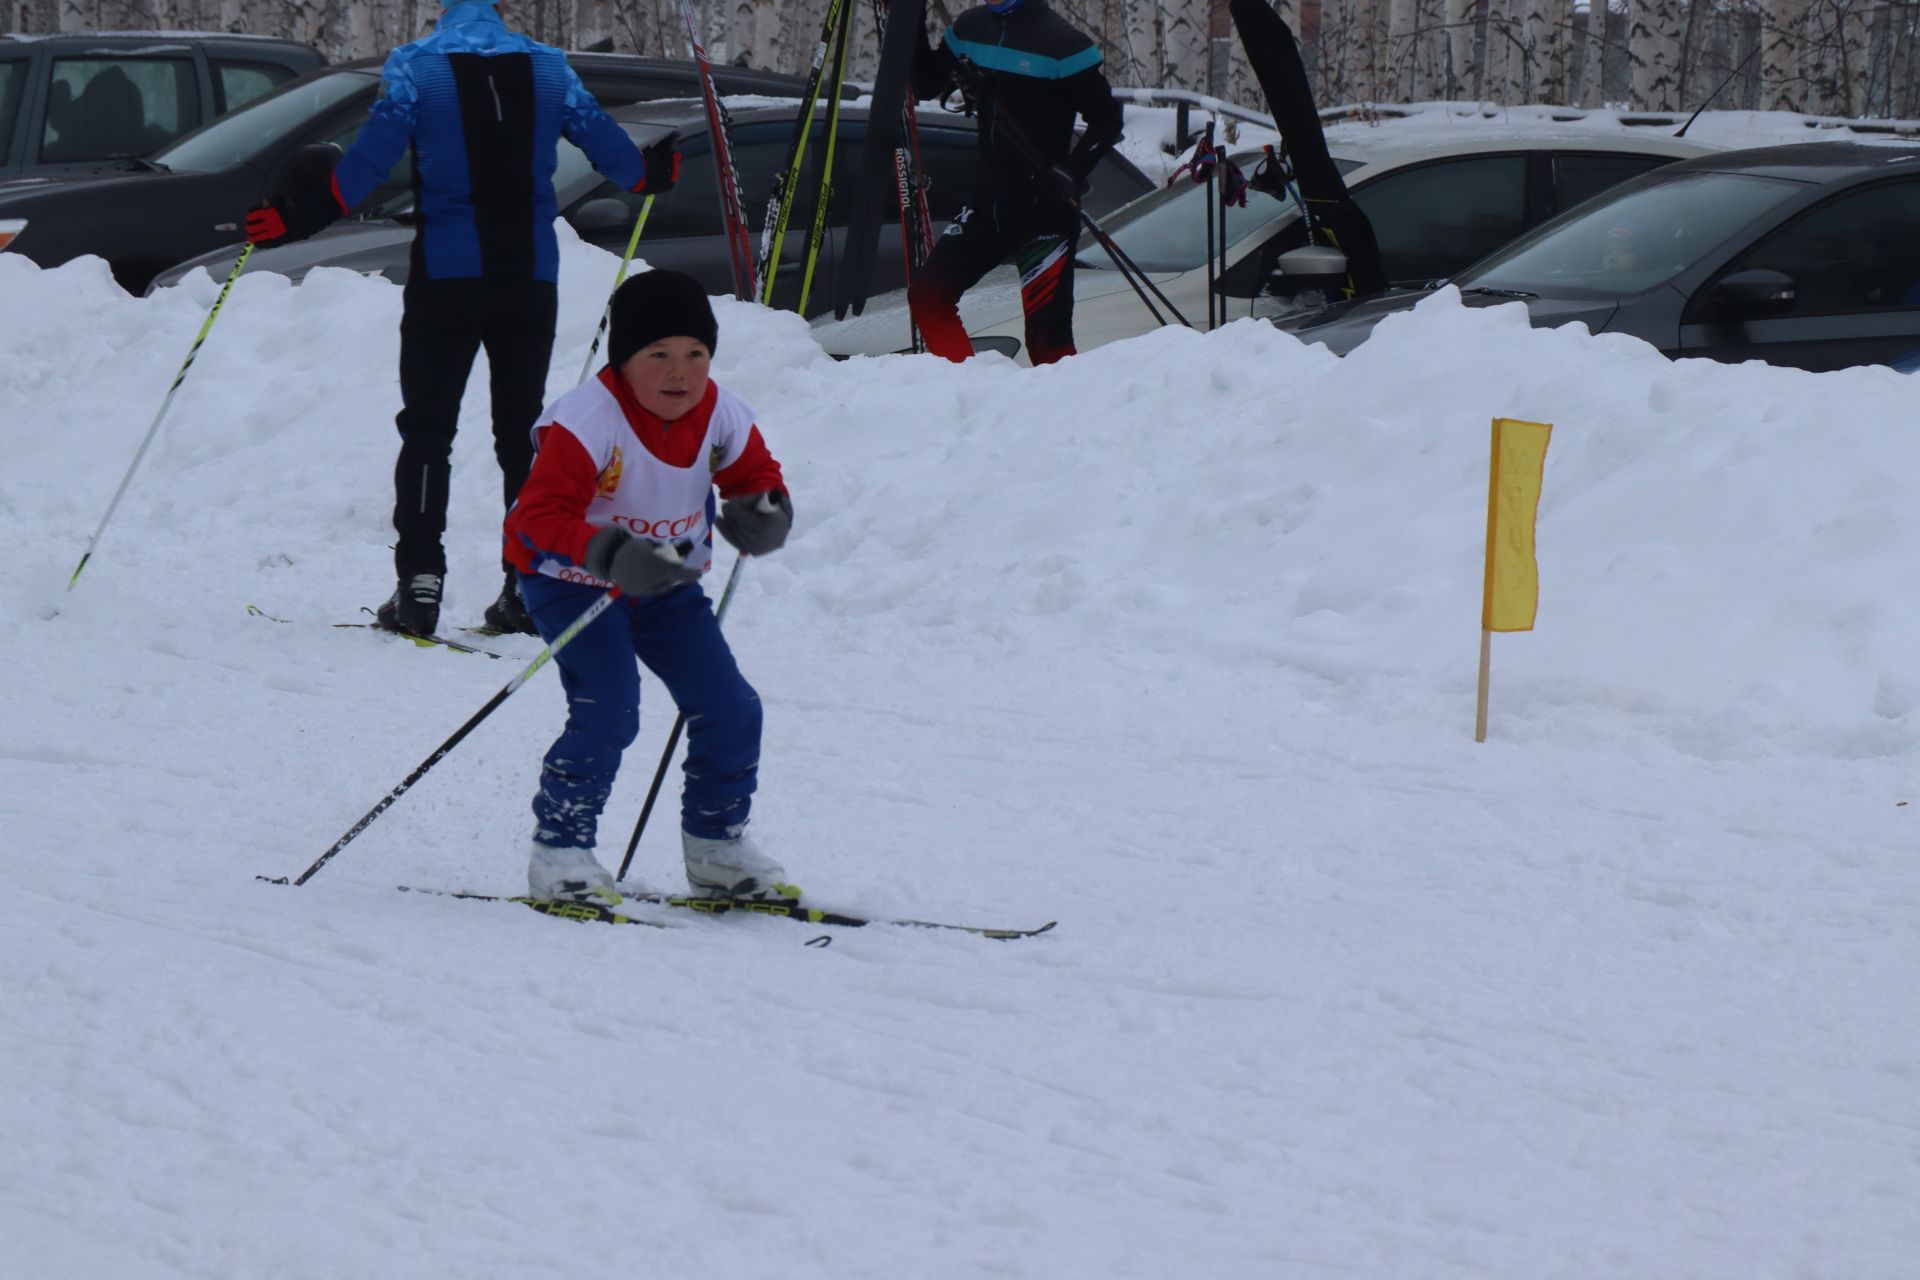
x,y
668,377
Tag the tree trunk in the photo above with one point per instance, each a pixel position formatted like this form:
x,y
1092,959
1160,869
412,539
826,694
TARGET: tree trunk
x,y
1184,39
1140,43
1783,24
1655,41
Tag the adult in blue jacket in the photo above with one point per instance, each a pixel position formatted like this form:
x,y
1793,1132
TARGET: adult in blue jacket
x,y
482,109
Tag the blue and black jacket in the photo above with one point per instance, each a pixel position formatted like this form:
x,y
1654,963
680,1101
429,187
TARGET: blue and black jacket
x,y
483,109
1037,71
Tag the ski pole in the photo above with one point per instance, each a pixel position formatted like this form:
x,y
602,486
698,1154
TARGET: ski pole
x,y
673,738
818,231
560,642
1207,146
239,264
780,207
626,260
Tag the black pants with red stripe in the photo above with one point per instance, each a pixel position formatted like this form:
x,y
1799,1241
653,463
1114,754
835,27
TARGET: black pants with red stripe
x,y
443,325
973,246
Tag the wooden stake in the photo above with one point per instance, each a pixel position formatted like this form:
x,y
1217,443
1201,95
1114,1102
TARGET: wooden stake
x,y
1486,656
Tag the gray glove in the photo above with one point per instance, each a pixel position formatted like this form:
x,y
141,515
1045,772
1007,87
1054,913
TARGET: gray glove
x,y
757,523
638,567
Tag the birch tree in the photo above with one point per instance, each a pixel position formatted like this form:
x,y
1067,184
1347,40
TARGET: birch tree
x,y
1656,47
1783,23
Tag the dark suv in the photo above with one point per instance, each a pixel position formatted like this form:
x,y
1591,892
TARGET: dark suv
x,y
87,101
189,197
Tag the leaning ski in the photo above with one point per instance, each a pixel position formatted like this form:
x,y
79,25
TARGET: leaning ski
x,y
1331,213
559,908
733,206
816,915
886,134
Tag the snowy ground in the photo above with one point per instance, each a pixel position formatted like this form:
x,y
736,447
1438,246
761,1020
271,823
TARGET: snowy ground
x,y
1174,642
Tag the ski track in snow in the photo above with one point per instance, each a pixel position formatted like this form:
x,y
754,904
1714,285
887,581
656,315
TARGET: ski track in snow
x,y
1174,642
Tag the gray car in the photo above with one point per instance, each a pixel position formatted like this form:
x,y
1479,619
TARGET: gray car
x,y
1803,255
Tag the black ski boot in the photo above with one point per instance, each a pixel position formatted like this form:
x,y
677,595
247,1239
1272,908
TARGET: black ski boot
x,y
508,614
414,606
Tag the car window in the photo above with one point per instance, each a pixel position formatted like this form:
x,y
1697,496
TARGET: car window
x,y
1632,238
239,135
1166,230
759,151
238,83
13,78
107,108
1432,220
1857,252
1579,177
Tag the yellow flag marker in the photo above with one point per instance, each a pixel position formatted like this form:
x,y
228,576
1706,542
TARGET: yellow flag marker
x,y
1512,587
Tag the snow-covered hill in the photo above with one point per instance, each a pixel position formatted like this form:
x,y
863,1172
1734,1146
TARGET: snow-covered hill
x,y
1174,642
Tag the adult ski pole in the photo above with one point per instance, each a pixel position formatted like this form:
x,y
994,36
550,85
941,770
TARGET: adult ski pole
x,y
238,266
440,753
1213,168
673,738
818,231
787,187
626,260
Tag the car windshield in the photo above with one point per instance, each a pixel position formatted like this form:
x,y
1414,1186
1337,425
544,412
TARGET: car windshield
x,y
237,136
1632,239
1166,230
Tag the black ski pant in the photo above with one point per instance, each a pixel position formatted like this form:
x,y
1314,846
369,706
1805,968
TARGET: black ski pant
x,y
972,246
443,325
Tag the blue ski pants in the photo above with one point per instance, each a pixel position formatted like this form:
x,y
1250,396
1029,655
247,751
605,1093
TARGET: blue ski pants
x,y
676,635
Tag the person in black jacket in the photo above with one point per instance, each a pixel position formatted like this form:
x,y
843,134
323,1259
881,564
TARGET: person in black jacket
x,y
1027,73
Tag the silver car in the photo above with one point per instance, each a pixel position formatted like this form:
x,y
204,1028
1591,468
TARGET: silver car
x,y
1438,199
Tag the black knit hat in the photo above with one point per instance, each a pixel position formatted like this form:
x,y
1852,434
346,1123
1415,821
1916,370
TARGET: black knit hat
x,y
655,305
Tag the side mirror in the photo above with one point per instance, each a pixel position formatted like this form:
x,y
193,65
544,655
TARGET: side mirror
x,y
1751,295
1311,266
598,217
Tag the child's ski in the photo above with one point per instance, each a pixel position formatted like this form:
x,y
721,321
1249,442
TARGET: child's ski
x,y
733,208
561,908
814,915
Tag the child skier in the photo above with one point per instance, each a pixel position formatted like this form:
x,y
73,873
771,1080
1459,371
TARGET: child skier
x,y
621,495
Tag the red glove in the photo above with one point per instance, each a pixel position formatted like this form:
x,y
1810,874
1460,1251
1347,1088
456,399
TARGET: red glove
x,y
663,167
266,225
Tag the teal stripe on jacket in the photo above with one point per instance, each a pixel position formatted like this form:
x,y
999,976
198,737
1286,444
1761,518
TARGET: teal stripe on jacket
x,y
993,57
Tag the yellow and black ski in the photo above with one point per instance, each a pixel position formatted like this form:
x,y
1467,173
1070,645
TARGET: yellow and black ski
x,y
561,908
790,910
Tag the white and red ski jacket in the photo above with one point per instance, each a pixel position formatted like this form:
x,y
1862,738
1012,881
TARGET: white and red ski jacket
x,y
603,460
